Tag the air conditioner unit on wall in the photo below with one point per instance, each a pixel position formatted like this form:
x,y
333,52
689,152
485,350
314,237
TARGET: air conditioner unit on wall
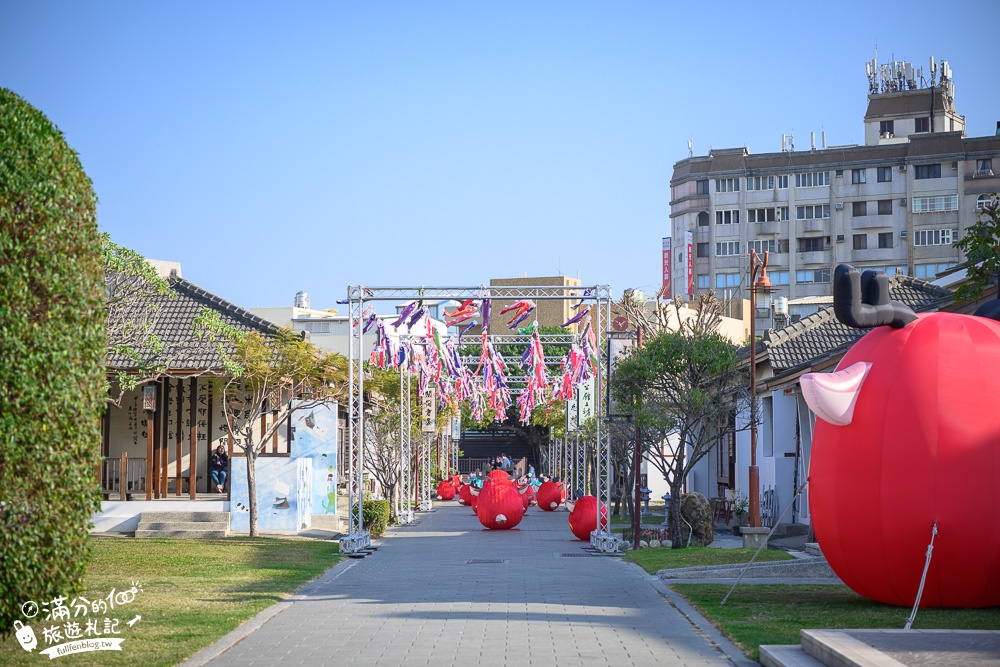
x,y
902,167
840,206
902,202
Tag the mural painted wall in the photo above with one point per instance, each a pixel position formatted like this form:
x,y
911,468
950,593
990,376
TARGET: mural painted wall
x,y
283,495
315,437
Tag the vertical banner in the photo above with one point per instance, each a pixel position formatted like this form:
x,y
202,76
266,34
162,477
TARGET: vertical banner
x,y
428,410
456,428
666,268
572,411
689,249
585,400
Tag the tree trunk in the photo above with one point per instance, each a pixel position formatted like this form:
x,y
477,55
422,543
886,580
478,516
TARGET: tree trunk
x,y
676,534
252,491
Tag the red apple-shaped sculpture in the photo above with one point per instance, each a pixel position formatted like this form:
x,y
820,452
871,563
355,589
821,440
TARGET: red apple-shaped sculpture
x,y
446,490
548,496
583,517
908,436
500,506
465,495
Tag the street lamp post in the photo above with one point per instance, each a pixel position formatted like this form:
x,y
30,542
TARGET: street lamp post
x,y
762,285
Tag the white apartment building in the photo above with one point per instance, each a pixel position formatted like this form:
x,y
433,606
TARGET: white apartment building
x,y
895,204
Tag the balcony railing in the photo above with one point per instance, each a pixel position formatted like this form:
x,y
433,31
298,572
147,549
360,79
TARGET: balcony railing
x,y
983,173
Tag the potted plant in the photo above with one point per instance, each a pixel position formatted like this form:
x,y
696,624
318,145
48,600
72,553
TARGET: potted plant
x,y
740,507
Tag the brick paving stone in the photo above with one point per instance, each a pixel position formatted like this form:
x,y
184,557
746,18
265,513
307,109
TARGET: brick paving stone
x,y
418,600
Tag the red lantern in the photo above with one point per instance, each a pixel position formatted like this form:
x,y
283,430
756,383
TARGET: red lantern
x,y
465,494
500,506
909,435
548,496
446,490
583,516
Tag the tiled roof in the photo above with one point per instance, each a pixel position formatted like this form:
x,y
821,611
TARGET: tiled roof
x,y
820,336
183,351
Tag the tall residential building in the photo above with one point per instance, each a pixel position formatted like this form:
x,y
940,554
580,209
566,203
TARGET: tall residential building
x,y
895,204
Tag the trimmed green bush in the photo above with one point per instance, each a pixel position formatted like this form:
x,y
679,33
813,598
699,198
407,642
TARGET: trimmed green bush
x,y
375,516
52,342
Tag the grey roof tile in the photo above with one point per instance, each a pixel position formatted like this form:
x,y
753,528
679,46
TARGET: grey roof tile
x,y
183,350
821,335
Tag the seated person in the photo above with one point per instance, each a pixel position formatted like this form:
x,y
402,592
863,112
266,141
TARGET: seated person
x,y
218,466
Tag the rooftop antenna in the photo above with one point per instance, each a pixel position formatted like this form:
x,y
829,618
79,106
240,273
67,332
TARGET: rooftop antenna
x,y
691,146
933,71
791,142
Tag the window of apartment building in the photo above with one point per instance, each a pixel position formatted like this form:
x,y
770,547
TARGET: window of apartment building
x,y
813,243
727,185
728,217
723,280
984,167
314,327
782,181
885,207
703,281
727,248
761,246
812,179
883,174
932,237
885,240
812,212
760,183
935,204
778,277
703,219
861,242
859,176
701,187
761,214
930,271
925,171
983,201
887,270
813,276
702,250
859,208
886,129
922,124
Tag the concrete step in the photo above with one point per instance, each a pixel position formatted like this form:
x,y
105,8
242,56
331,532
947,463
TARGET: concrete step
x,y
185,534
184,516
183,525
775,655
800,567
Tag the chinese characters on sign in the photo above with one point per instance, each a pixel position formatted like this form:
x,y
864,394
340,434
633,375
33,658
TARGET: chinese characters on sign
x,y
428,410
79,626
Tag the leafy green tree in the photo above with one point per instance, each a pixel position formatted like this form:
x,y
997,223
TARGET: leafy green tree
x,y
383,426
132,290
265,375
685,385
52,341
981,245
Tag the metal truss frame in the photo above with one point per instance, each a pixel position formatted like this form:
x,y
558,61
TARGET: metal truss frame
x,y
359,539
404,512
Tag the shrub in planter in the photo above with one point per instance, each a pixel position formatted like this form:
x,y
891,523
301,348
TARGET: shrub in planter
x,y
375,516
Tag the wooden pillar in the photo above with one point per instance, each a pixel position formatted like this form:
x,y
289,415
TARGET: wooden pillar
x,y
178,454
165,444
150,454
193,442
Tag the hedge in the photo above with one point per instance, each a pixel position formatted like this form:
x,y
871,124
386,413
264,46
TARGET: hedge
x,y
375,516
52,341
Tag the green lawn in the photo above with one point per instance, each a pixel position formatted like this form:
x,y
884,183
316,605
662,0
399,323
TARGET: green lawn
x,y
652,560
193,592
758,614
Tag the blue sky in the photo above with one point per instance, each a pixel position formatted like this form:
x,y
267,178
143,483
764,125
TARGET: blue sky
x,y
277,147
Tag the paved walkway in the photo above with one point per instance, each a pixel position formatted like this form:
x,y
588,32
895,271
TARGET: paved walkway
x,y
448,592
